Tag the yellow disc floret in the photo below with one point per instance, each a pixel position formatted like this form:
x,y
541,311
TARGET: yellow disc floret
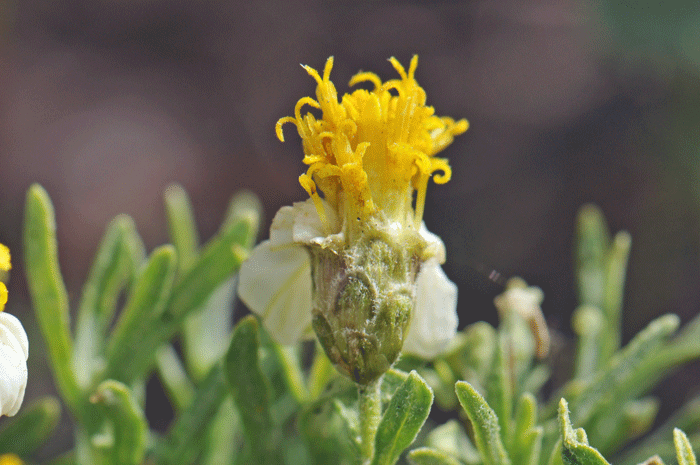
x,y
4,258
371,150
5,266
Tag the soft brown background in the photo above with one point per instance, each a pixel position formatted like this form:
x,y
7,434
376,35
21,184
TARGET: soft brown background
x,y
106,102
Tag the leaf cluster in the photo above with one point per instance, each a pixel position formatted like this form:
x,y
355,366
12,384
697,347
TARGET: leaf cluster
x,y
241,398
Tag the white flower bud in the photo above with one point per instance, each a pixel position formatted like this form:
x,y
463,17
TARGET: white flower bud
x,y
14,350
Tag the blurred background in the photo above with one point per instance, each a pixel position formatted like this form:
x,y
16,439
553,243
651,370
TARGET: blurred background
x,y
106,102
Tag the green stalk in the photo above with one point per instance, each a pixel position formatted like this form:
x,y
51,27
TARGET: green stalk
x,y
370,415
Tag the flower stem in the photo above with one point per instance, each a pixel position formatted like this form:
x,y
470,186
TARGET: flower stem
x,y
370,414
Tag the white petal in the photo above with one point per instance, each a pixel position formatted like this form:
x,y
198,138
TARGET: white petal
x,y
14,349
301,224
434,321
282,224
275,283
308,226
435,248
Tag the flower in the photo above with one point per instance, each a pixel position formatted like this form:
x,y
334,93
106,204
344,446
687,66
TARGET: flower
x,y
358,265
14,350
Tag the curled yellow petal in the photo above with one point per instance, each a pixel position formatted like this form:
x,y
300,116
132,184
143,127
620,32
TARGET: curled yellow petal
x,y
372,150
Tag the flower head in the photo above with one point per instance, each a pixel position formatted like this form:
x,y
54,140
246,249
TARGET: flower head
x,y
372,149
14,350
357,265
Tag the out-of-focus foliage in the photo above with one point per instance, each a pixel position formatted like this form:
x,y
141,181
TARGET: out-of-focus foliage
x,y
241,398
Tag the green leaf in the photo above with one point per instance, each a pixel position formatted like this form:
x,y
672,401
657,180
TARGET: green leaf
x,y
500,386
615,274
428,456
321,373
403,419
221,258
112,268
391,381
288,359
32,426
224,436
330,426
485,423
185,439
588,322
686,418
575,448
555,458
123,438
181,225
526,441
250,390
628,422
624,378
473,360
173,376
601,265
592,242
684,451
452,440
130,352
47,290
244,206
682,349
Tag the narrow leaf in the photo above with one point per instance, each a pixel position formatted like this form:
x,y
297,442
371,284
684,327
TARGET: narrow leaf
x,y
527,437
684,451
330,426
110,271
575,448
129,352
500,387
452,440
592,239
250,389
403,419
615,274
623,375
219,260
47,290
181,225
686,418
224,436
186,438
428,456
588,322
244,206
173,376
485,423
32,426
127,424
321,373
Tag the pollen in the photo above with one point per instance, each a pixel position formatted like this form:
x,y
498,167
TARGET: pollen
x,y
372,152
